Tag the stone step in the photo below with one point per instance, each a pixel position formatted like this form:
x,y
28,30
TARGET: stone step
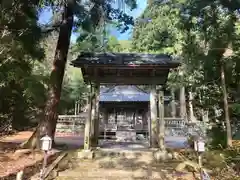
x,y
127,154
113,169
112,164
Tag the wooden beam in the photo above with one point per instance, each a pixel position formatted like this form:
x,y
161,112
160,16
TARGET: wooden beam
x,y
129,66
54,164
160,80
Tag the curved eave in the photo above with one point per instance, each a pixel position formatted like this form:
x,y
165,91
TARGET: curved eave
x,y
120,68
125,59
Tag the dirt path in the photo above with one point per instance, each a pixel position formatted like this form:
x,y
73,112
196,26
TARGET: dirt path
x,y
10,162
70,140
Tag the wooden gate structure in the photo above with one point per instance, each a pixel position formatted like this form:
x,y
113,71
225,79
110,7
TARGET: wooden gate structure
x,y
126,69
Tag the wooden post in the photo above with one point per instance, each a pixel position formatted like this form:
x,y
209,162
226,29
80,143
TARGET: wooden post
x,y
182,100
105,121
96,117
149,126
19,175
115,115
161,120
78,107
173,104
153,115
75,108
87,133
93,114
105,116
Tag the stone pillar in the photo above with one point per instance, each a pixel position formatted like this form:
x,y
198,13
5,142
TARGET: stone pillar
x,y
161,120
173,104
192,118
182,100
96,117
153,116
87,133
205,117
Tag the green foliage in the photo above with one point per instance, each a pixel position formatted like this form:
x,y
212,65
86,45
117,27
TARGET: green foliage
x,y
156,30
205,34
74,90
218,135
23,80
19,47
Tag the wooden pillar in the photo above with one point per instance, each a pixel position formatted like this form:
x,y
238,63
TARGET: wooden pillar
x,y
173,104
93,114
105,116
161,126
96,117
87,133
115,115
182,100
149,126
153,116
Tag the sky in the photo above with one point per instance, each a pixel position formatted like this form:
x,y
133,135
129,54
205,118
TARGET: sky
x,y
46,15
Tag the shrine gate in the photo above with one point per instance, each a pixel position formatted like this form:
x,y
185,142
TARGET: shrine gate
x,y
126,69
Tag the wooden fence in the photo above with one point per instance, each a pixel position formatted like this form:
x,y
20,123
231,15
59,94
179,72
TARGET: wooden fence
x,y
70,124
174,126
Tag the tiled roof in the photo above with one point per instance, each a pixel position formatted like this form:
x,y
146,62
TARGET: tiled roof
x,y
125,59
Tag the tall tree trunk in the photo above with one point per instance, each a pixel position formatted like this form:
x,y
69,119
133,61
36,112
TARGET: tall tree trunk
x,y
226,109
191,113
48,124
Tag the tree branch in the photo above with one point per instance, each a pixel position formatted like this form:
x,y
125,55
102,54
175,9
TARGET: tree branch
x,y
51,27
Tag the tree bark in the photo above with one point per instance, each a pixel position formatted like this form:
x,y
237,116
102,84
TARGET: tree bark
x,y
48,124
191,113
226,108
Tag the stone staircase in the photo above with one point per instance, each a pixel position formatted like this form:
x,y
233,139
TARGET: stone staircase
x,y
124,165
